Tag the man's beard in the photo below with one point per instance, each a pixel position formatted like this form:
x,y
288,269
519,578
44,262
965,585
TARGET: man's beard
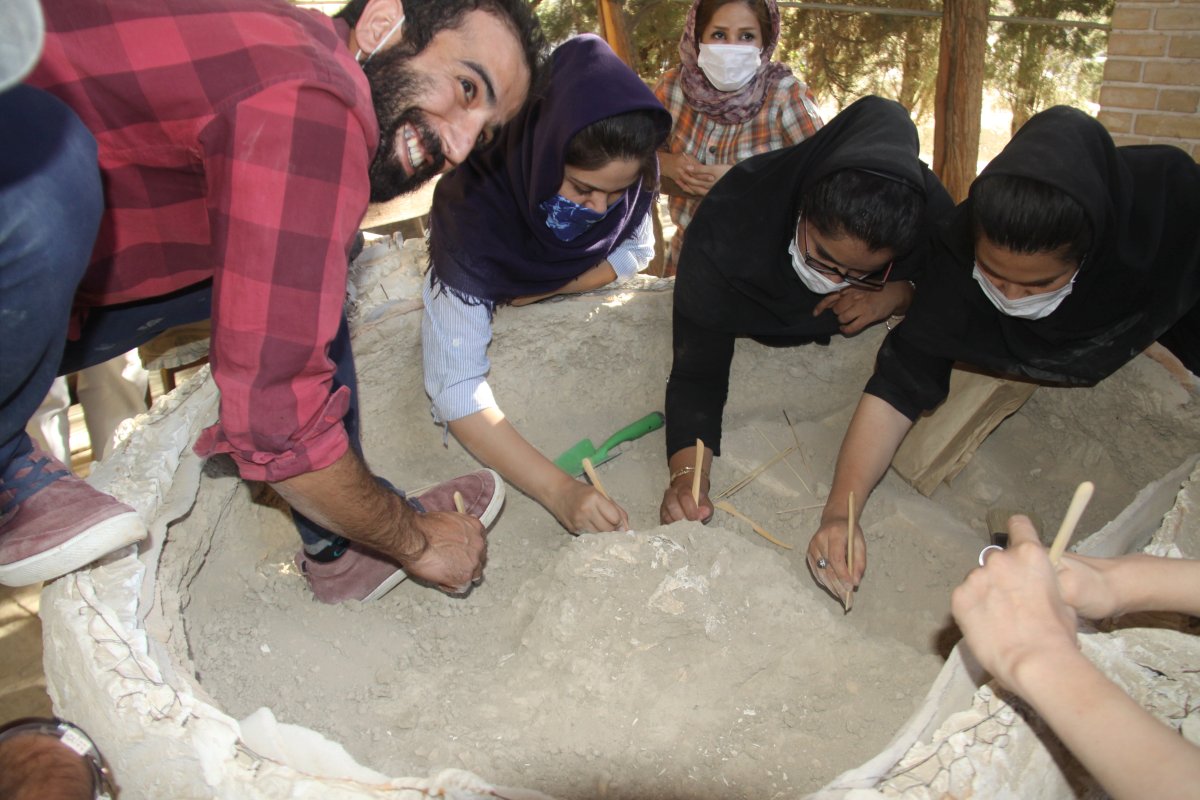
x,y
395,90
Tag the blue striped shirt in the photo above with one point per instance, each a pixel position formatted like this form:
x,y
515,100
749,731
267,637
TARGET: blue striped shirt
x,y
455,336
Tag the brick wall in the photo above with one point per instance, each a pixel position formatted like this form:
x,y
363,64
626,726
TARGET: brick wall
x,y
1151,88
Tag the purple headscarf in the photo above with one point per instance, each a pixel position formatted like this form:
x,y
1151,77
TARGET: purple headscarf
x,y
735,107
488,237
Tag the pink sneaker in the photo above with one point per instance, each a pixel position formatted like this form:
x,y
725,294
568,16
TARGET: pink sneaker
x,y
363,574
52,522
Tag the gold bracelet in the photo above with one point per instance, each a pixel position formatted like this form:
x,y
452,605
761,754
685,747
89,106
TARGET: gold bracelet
x,y
684,471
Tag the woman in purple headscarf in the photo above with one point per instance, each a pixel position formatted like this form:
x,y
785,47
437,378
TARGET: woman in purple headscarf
x,y
560,203
729,102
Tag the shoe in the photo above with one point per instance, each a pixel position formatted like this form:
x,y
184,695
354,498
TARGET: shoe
x,y
363,574
482,493
52,522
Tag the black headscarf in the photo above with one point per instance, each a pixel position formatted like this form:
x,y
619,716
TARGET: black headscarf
x,y
737,244
1140,276
488,237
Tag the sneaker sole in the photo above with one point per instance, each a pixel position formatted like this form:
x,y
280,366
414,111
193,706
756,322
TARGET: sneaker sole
x,y
395,579
493,508
97,542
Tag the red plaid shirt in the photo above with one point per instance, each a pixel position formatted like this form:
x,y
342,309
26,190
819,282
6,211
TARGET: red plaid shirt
x,y
787,117
234,141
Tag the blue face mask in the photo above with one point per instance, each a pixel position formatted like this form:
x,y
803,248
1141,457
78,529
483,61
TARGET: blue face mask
x,y
568,219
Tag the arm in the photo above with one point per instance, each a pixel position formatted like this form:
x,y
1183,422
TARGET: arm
x,y
454,341
875,433
675,165
799,118
577,505
1135,756
446,550
1109,587
277,307
1021,630
696,393
600,275
626,260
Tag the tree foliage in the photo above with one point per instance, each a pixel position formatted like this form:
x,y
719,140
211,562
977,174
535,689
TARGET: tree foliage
x,y
1037,66
844,55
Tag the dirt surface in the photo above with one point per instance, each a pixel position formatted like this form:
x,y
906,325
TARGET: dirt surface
x,y
681,661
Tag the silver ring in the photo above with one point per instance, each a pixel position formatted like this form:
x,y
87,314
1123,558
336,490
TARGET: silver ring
x,y
983,553
822,563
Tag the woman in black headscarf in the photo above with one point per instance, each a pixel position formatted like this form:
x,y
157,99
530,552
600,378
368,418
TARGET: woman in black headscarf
x,y
560,203
1069,257
790,247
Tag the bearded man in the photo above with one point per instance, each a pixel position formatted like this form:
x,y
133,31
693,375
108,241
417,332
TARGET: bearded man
x,y
168,161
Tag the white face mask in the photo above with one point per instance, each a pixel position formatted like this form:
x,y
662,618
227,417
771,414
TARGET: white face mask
x,y
382,41
815,281
729,67
1034,306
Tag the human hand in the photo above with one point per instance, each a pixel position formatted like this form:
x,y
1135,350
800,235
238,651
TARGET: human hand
x,y
582,509
687,172
828,544
1089,585
709,174
857,308
1010,610
677,502
455,551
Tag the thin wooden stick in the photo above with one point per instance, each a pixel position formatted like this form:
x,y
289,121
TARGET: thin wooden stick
x,y
696,474
728,508
848,600
785,461
1083,495
800,508
594,478
737,487
850,536
803,458
459,506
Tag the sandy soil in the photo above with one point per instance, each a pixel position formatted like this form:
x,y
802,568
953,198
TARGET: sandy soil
x,y
681,661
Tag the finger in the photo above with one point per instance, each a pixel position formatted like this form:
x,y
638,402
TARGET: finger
x,y
611,515
671,510
827,302
1020,530
853,326
623,525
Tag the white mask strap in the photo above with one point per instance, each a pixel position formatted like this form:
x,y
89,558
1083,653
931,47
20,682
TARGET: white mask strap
x,y
382,41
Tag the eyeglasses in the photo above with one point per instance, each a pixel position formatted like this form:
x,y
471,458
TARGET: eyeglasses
x,y
873,281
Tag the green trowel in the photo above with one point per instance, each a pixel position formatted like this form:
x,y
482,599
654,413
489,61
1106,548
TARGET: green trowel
x,y
571,462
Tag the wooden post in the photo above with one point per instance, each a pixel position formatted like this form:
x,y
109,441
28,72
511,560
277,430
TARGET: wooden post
x,y
959,101
612,28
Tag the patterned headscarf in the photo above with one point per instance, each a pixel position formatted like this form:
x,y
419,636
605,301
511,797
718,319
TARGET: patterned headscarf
x,y
730,108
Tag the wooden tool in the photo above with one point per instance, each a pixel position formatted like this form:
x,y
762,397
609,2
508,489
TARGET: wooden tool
x,y
594,478
848,600
727,507
1083,495
696,474
459,506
